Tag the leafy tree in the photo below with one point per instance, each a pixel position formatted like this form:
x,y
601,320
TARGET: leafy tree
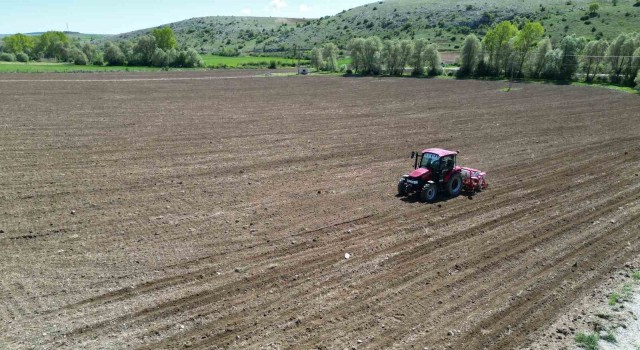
x,y
539,58
19,43
470,55
634,75
571,46
593,57
52,45
406,50
497,43
113,55
391,56
594,7
372,55
165,39
356,46
433,60
173,56
317,60
553,64
419,57
126,47
525,40
160,58
62,51
91,51
145,48
330,55
619,56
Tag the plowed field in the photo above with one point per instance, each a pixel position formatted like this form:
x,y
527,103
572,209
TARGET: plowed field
x,y
214,210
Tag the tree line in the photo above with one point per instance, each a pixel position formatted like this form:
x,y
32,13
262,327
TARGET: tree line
x,y
509,49
373,56
158,49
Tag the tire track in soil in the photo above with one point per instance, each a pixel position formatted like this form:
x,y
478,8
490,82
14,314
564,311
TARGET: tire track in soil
x,y
512,245
343,312
495,191
570,256
389,229
182,279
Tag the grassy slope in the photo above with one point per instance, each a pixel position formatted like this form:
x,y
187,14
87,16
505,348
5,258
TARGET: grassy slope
x,y
213,34
442,22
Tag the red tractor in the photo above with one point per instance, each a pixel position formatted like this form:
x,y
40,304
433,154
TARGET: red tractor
x,y
436,171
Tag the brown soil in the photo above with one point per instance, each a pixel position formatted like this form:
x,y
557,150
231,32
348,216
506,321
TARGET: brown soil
x,y
164,211
594,314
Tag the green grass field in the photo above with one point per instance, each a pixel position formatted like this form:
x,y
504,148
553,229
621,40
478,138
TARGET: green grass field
x,y
246,61
211,61
38,67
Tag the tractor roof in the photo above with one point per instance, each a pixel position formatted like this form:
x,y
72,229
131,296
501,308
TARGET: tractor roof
x,y
440,152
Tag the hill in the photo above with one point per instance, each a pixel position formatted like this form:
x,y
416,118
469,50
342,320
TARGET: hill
x,y
214,34
443,22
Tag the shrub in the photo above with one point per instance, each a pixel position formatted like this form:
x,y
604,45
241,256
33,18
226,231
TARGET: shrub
x,y
78,57
7,57
22,57
98,60
587,341
114,55
192,59
273,64
160,58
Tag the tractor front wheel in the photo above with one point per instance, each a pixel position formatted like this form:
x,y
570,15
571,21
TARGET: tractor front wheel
x,y
402,188
429,193
454,186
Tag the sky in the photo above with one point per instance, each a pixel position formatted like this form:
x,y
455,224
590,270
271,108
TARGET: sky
x,y
120,16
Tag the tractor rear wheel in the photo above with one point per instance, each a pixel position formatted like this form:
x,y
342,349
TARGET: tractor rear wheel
x,y
402,188
429,193
454,186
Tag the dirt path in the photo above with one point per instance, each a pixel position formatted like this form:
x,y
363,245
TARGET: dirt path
x,y
208,212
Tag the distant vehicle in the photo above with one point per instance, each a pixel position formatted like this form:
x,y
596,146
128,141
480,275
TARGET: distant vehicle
x,y
303,71
435,171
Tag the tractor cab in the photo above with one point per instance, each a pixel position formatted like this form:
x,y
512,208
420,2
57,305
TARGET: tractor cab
x,y
438,163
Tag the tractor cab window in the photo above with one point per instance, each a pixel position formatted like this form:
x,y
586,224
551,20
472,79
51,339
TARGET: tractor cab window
x,y
448,163
430,161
